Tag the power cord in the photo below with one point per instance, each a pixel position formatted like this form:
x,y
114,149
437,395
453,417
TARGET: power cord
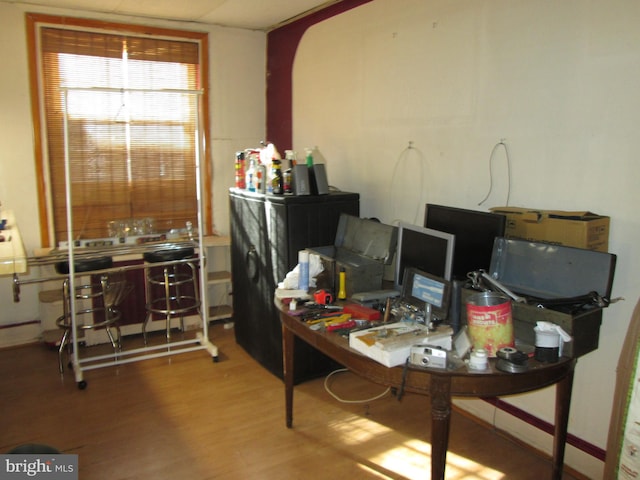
x,y
506,152
342,400
400,169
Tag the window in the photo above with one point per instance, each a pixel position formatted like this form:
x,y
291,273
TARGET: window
x,y
133,101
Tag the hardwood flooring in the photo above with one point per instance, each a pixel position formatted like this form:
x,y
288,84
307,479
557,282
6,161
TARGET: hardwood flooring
x,y
185,417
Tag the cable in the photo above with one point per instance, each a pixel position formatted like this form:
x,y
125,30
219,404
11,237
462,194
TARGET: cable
x,y
493,151
405,370
342,400
403,157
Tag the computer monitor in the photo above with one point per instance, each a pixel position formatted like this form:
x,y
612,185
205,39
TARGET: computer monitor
x,y
475,234
421,288
425,249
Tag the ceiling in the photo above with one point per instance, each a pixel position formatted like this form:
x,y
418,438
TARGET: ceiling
x,y
253,14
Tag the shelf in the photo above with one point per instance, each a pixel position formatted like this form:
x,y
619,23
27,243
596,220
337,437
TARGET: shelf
x,y
219,277
218,312
214,278
216,241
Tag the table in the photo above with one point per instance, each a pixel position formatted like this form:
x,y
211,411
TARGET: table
x,y
439,385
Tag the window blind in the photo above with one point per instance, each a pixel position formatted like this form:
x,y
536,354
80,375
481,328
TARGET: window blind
x,y
131,128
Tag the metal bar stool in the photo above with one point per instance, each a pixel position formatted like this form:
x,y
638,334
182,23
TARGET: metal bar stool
x,y
104,295
176,297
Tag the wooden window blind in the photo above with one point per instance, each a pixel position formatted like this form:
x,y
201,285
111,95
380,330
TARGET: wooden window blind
x,y
131,117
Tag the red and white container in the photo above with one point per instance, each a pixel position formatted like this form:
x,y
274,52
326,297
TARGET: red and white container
x,y
489,322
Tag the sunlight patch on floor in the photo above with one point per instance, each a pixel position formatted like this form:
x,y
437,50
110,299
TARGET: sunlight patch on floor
x,y
357,430
462,468
411,458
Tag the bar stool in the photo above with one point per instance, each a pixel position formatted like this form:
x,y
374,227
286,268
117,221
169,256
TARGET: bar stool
x,y
174,299
104,296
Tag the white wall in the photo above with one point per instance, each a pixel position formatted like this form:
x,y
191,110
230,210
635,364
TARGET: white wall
x,y
237,73
558,81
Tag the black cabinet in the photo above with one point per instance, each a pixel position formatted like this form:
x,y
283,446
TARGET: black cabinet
x,y
267,231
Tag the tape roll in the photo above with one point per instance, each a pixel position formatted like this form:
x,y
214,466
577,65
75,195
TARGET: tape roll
x,y
512,360
508,353
510,367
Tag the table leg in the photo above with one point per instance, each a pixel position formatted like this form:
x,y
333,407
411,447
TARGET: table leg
x,y
287,362
563,402
440,419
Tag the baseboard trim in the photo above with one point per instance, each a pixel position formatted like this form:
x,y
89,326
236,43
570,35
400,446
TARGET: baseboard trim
x,y
19,324
547,427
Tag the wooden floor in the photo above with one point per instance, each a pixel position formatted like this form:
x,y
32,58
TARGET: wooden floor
x,y
185,417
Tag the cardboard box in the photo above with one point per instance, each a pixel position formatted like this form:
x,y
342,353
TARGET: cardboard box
x,y
574,229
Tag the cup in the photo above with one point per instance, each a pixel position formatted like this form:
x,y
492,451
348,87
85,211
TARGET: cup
x,y
548,345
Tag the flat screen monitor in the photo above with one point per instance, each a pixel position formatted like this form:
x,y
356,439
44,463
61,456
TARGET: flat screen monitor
x,y
475,234
425,249
421,288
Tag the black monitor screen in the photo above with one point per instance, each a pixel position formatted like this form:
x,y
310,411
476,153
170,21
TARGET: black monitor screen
x,y
475,233
425,249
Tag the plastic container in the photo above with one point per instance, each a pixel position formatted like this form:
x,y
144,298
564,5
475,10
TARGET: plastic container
x,y
548,345
303,274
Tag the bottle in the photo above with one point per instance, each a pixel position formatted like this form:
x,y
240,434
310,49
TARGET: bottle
x,y
261,178
290,156
287,176
303,273
251,174
342,291
287,184
276,177
309,153
241,181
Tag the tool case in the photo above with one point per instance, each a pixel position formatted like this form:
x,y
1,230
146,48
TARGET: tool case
x,y
564,285
362,247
